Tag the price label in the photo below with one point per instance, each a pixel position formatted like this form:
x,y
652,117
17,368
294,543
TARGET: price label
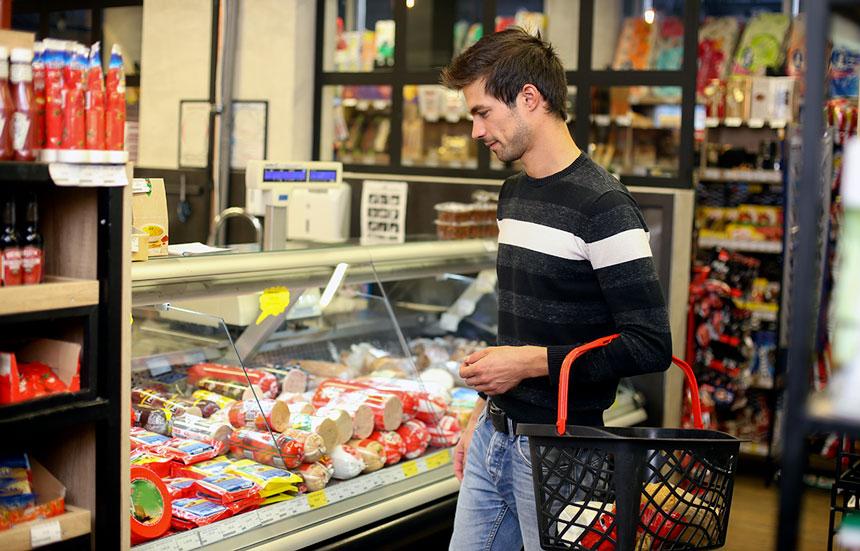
x,y
247,521
183,542
158,366
86,175
210,534
438,459
45,533
410,468
317,499
268,514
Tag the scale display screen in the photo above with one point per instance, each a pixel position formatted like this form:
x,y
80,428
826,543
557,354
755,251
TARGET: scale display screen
x,y
323,176
285,175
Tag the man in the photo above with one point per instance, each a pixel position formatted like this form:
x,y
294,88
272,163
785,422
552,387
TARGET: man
x,y
574,264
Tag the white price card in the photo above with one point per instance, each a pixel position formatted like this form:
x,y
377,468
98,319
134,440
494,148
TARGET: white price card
x,y
210,534
383,212
45,533
158,366
268,515
85,175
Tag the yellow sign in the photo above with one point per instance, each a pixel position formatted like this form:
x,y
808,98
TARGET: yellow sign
x,y
410,468
273,302
438,459
317,499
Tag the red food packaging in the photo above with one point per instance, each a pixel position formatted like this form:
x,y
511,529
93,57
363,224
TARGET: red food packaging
x,y
95,101
74,123
418,402
115,108
201,470
226,488
41,379
54,96
415,437
190,452
38,95
267,382
153,460
180,487
387,408
446,433
242,505
192,512
276,450
407,399
393,444
263,415
142,438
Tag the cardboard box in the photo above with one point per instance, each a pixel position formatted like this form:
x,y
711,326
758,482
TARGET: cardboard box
x,y
139,243
62,357
760,101
49,520
784,93
149,213
16,39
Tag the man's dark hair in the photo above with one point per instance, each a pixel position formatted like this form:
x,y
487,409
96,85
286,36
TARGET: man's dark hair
x,y
508,60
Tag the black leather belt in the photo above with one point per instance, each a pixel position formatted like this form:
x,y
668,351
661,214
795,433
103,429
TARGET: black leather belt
x,y
501,422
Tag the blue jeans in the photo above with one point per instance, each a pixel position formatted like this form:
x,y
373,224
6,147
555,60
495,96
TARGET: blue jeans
x,y
496,506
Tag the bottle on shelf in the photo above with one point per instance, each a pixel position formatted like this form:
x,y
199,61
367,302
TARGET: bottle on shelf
x,y
32,247
10,248
39,95
7,108
23,129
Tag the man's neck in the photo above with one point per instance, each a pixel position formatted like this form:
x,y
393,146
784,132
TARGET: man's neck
x,y
552,150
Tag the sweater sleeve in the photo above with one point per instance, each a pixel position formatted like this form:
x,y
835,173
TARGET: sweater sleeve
x,y
616,241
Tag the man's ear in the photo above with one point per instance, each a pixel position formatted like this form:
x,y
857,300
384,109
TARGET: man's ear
x,y
531,97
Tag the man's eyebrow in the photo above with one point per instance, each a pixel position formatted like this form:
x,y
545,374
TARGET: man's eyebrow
x,y
477,108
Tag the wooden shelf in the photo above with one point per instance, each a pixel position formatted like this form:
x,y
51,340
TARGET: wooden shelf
x,y
54,294
14,171
51,412
75,522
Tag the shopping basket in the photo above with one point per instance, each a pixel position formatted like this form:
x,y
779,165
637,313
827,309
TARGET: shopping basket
x,y
630,488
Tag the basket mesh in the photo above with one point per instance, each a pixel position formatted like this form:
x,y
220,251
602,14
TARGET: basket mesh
x,y
677,498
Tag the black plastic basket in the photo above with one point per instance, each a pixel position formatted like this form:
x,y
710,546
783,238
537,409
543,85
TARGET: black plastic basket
x,y
630,488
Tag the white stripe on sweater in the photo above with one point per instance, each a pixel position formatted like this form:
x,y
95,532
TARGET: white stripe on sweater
x,y
619,248
542,239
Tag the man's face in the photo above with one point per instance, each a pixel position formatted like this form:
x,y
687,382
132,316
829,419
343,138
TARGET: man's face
x,y
500,127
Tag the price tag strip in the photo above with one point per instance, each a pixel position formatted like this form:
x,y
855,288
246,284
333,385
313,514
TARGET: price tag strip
x,y
339,491
86,175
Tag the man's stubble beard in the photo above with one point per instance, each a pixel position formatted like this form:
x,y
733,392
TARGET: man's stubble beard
x,y
518,143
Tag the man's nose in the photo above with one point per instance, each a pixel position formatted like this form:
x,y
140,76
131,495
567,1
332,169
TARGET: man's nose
x,y
477,130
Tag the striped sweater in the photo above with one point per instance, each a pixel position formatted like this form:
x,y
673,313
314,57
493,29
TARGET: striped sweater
x,y
574,264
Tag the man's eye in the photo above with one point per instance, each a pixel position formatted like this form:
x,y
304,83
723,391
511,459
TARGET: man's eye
x,y
483,114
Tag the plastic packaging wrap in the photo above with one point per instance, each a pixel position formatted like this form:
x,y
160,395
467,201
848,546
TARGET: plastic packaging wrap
x,y
387,407
250,413
348,462
392,443
271,480
415,437
267,382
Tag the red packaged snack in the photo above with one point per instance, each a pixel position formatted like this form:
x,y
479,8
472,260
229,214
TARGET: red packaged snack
x,y
226,488
115,108
446,433
74,123
41,379
201,470
94,113
54,96
192,512
242,505
142,438
393,444
180,487
415,437
250,413
38,95
267,382
190,452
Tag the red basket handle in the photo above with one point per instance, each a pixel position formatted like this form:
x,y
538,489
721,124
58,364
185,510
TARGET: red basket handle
x,y
573,355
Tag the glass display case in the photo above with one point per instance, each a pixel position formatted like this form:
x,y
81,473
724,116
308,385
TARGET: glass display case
x,y
276,391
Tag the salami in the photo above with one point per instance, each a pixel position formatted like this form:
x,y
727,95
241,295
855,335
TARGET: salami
x,y
222,401
316,475
348,462
267,382
230,389
152,419
323,426
446,433
415,436
371,451
312,443
148,397
387,407
206,407
427,406
392,443
249,413
198,428
292,379
349,409
278,450
344,422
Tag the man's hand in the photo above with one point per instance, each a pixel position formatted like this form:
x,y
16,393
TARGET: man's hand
x,y
497,369
465,439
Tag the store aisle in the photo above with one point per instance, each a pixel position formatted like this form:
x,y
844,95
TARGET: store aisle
x,y
754,517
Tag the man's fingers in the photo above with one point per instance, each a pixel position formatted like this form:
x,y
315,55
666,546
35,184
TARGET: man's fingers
x,y
475,356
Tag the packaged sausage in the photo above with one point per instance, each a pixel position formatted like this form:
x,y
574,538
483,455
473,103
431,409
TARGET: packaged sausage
x,y
142,438
347,462
152,419
222,401
180,487
149,397
386,407
277,450
371,451
415,437
297,408
192,512
323,426
292,379
271,480
316,475
392,443
353,417
198,428
313,446
230,389
265,414
427,406
446,433
226,488
152,460
206,407
201,470
190,452
267,382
